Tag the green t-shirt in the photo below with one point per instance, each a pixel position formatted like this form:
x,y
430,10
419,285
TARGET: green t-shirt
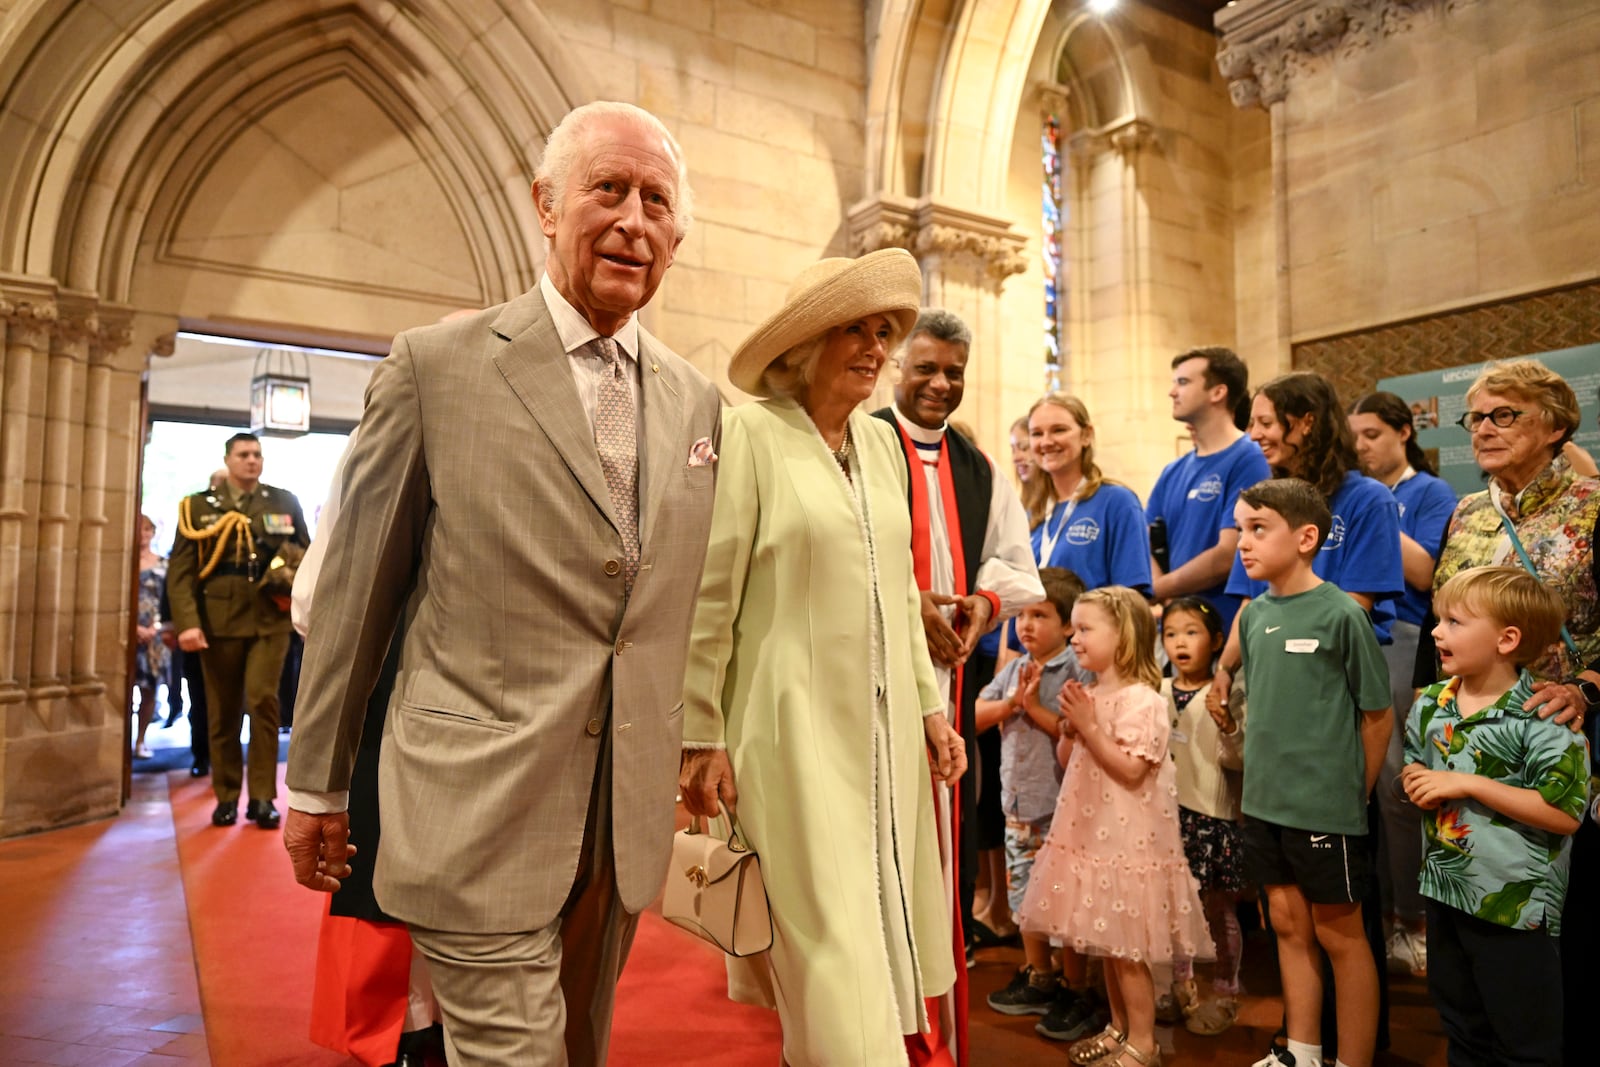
x,y
1473,858
1311,667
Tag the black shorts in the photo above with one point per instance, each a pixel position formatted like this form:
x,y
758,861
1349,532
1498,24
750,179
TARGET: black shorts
x,y
1327,868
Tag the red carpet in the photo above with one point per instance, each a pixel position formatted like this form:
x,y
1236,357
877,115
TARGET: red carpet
x,y
255,935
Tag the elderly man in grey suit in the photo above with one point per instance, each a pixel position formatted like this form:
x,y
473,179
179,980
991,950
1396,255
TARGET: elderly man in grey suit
x,y
531,490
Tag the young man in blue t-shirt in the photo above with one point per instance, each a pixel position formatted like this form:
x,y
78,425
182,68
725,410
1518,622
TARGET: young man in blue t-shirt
x,y
1193,499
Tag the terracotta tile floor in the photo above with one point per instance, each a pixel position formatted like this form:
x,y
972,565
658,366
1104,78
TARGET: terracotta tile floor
x,y
96,964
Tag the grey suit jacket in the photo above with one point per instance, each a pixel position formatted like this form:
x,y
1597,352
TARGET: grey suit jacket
x,y
474,503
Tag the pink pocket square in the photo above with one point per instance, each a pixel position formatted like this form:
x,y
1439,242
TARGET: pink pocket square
x,y
701,455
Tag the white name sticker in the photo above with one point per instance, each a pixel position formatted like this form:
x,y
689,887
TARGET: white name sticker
x,y
1300,644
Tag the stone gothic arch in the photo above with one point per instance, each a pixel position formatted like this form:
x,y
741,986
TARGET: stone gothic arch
x,y
138,137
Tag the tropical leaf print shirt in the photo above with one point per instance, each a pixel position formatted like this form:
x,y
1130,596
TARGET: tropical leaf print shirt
x,y
1475,859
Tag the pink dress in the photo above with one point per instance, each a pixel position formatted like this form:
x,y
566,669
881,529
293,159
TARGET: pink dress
x,y
1111,878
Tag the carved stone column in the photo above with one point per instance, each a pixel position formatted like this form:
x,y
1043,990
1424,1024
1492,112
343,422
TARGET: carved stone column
x,y
966,257
59,489
64,585
30,315
95,564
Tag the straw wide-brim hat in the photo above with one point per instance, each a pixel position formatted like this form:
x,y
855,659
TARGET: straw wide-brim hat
x,y
826,294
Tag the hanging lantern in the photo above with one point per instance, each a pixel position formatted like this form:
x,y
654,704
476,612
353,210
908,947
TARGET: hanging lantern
x,y
280,393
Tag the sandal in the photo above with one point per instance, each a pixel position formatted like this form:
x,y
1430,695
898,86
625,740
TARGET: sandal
x,y
1213,1016
1101,1046
1143,1059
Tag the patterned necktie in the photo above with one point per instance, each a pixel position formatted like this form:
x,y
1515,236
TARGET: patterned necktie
x,y
616,439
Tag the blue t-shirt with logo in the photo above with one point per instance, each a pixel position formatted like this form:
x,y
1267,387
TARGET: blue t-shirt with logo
x,y
1195,496
1103,540
1361,554
1426,503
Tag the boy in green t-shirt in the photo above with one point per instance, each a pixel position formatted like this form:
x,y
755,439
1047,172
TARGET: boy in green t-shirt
x,y
1318,730
1505,790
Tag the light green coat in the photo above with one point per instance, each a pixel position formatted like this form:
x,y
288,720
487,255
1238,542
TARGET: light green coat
x,y
836,799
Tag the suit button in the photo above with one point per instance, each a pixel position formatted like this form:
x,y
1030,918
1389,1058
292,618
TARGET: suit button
x,y
593,727
622,645
612,568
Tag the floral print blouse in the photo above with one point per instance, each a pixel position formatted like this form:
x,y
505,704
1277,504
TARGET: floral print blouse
x,y
1556,517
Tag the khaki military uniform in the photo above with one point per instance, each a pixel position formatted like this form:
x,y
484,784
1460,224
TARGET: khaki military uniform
x,y
247,632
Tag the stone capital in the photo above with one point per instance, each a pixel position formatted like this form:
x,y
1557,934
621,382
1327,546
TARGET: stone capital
x,y
1267,43
933,230
77,324
1055,99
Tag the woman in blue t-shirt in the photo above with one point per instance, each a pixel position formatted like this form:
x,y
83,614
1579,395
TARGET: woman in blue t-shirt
x,y
1093,527
1386,444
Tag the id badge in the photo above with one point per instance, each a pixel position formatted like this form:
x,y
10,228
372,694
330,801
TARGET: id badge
x,y
279,525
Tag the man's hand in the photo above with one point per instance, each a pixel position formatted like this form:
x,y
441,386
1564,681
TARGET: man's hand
x,y
144,633
192,640
1561,700
705,776
977,611
319,847
947,752
944,644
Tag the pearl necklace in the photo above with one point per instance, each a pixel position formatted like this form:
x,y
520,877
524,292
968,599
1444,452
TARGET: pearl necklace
x,y
841,455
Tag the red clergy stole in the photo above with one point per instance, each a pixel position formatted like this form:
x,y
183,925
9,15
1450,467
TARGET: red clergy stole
x,y
922,515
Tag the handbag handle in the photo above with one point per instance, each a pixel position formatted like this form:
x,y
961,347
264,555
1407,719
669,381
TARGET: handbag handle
x,y
697,826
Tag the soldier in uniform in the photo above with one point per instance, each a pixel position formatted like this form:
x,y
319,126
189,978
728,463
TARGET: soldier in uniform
x,y
223,581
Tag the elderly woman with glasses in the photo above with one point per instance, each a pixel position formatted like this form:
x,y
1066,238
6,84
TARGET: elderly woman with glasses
x,y
811,709
1540,514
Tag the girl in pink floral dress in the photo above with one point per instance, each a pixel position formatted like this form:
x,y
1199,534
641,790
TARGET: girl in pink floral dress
x,y
1111,879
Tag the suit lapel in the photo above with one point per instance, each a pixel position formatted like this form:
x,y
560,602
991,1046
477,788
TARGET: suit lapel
x,y
536,367
663,412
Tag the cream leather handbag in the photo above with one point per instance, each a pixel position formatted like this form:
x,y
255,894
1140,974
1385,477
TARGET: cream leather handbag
x,y
714,890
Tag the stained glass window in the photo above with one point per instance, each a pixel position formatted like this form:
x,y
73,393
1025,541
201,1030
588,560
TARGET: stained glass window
x,y
1053,210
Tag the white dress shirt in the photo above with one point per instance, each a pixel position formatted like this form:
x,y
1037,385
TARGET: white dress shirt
x,y
1005,560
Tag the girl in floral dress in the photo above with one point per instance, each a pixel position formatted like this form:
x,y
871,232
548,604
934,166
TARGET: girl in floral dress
x,y
1111,879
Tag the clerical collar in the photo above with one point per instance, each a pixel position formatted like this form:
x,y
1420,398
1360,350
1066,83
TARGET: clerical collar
x,y
920,434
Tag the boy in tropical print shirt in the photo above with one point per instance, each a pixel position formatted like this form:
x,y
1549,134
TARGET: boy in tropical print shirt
x,y
1506,790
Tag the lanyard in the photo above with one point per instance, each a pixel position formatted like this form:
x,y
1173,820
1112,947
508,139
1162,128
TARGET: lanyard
x,y
1047,539
1522,553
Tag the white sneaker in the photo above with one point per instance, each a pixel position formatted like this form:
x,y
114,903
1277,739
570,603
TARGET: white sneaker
x,y
1276,1057
1408,952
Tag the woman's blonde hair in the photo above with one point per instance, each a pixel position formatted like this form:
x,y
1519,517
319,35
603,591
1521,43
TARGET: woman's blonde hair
x,y
1530,380
792,374
1135,659
1039,492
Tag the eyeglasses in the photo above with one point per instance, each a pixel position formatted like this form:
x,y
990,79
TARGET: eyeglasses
x,y
1501,417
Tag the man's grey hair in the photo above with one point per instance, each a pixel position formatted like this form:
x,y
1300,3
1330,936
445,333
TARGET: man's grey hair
x,y
562,146
941,325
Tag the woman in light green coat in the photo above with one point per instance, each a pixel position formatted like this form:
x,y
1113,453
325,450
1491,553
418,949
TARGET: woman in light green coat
x,y
811,707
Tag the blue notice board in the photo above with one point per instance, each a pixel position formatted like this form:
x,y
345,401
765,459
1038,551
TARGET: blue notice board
x,y
1438,397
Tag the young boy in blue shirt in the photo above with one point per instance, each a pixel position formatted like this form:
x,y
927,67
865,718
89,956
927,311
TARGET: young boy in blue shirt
x,y
1502,791
1022,701
1317,732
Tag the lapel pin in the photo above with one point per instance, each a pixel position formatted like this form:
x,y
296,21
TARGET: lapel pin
x,y
655,368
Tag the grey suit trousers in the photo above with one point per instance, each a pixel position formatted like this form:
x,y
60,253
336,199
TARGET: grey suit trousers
x,y
541,998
